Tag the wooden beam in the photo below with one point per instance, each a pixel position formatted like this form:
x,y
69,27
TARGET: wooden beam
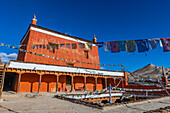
x,y
95,83
84,83
57,83
72,77
114,82
19,79
39,86
105,82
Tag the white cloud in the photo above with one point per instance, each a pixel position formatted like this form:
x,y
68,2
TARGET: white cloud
x,y
6,58
102,68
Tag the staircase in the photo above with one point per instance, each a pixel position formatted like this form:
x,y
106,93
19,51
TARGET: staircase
x,y
2,77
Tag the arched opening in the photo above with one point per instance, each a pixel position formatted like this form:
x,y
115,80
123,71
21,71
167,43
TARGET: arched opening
x,y
90,83
48,83
29,82
100,83
78,83
62,83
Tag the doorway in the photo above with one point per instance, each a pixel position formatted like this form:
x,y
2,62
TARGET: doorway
x,y
10,82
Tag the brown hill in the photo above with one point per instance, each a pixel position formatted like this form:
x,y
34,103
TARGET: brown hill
x,y
149,71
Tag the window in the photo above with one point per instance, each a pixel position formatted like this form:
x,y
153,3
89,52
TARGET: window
x,y
86,54
44,46
36,46
33,47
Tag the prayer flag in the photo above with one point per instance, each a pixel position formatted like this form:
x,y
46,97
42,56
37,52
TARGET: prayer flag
x,y
142,45
99,44
81,45
114,47
121,45
131,46
153,43
166,44
107,46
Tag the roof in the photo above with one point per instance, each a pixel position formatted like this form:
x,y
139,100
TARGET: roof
x,y
34,66
51,32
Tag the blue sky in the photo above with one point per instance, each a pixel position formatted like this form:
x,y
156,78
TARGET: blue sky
x,y
110,20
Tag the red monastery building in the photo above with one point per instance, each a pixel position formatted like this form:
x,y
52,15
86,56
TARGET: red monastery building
x,y
48,72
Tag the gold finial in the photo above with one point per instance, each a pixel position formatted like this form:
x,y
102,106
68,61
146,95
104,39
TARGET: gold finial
x,y
34,17
94,39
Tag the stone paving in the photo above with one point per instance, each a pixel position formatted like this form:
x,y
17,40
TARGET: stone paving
x,y
18,103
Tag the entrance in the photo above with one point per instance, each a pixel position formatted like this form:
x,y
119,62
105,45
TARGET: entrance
x,y
103,83
10,81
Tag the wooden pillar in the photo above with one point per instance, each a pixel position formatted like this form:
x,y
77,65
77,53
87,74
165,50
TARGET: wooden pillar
x,y
122,82
114,82
95,83
72,83
57,83
105,82
84,83
39,83
19,79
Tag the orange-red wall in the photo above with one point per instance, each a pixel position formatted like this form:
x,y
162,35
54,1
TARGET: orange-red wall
x,y
29,82
36,38
48,82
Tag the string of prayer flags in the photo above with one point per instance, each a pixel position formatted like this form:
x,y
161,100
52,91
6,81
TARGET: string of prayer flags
x,y
114,47
121,45
107,46
54,57
166,44
142,45
131,46
153,43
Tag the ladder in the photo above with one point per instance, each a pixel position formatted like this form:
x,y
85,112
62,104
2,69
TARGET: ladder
x,y
2,77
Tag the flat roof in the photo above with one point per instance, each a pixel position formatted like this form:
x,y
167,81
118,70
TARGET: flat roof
x,y
54,33
34,66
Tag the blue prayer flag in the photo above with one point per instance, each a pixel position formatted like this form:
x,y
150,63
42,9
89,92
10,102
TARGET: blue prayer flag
x,y
142,45
99,44
121,45
153,43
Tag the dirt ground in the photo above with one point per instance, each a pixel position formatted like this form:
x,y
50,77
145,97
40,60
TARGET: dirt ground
x,y
48,104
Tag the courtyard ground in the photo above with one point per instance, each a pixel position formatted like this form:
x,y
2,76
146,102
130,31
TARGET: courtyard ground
x,y
49,104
